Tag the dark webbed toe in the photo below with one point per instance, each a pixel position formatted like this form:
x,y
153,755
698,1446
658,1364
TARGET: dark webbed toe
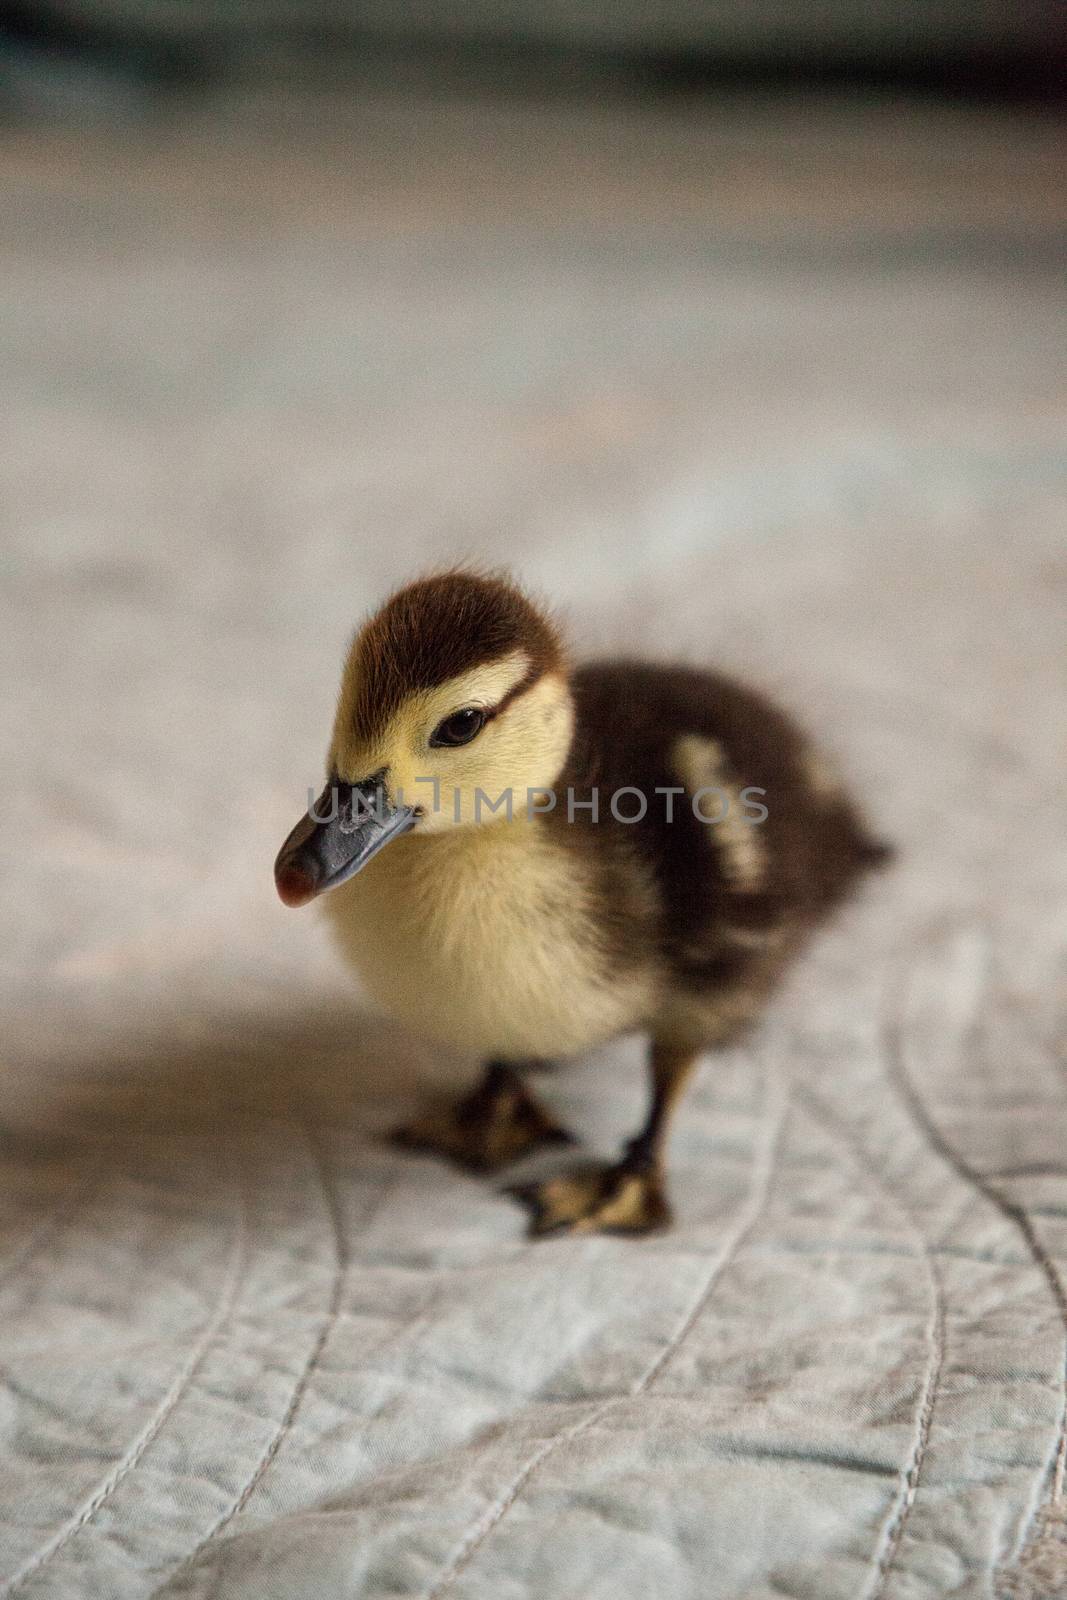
x,y
496,1124
620,1197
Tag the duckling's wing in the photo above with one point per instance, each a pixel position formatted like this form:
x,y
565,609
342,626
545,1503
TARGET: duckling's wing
x,y
777,839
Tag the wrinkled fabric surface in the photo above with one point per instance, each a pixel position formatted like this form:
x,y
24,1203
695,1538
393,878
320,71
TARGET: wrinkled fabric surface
x,y
778,387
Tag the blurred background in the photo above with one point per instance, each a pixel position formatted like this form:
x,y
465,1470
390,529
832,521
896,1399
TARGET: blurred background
x,y
737,331
734,329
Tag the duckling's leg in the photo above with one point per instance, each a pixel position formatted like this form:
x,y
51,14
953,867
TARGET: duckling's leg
x,y
625,1196
497,1122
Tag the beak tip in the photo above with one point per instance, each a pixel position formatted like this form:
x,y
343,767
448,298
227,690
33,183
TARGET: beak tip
x,y
295,887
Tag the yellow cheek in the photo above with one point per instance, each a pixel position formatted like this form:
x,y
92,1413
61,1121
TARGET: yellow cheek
x,y
403,781
442,787
491,777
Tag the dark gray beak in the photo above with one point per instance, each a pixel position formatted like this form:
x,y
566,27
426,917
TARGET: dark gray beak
x,y
349,823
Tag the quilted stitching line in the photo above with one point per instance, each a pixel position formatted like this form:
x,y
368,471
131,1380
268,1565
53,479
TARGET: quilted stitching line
x,y
1020,1220
329,1323
894,1531
753,1210
314,1356
223,1308
300,1388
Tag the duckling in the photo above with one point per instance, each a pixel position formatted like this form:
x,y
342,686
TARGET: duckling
x,y
523,859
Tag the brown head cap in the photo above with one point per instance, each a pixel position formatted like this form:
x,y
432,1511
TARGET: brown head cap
x,y
438,627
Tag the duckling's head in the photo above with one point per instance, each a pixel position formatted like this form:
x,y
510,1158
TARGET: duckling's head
x,y
454,711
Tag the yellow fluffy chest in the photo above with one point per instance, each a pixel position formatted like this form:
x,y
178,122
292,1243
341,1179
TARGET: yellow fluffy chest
x,y
486,939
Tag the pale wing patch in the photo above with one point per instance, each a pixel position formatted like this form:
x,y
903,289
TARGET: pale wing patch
x,y
702,763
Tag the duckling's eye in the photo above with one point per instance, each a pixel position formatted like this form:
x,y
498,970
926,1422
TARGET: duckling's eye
x,y
459,728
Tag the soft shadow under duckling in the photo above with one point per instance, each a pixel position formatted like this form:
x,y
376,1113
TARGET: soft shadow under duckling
x,y
524,860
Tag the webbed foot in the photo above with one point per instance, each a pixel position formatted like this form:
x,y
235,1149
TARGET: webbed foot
x,y
621,1197
494,1125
